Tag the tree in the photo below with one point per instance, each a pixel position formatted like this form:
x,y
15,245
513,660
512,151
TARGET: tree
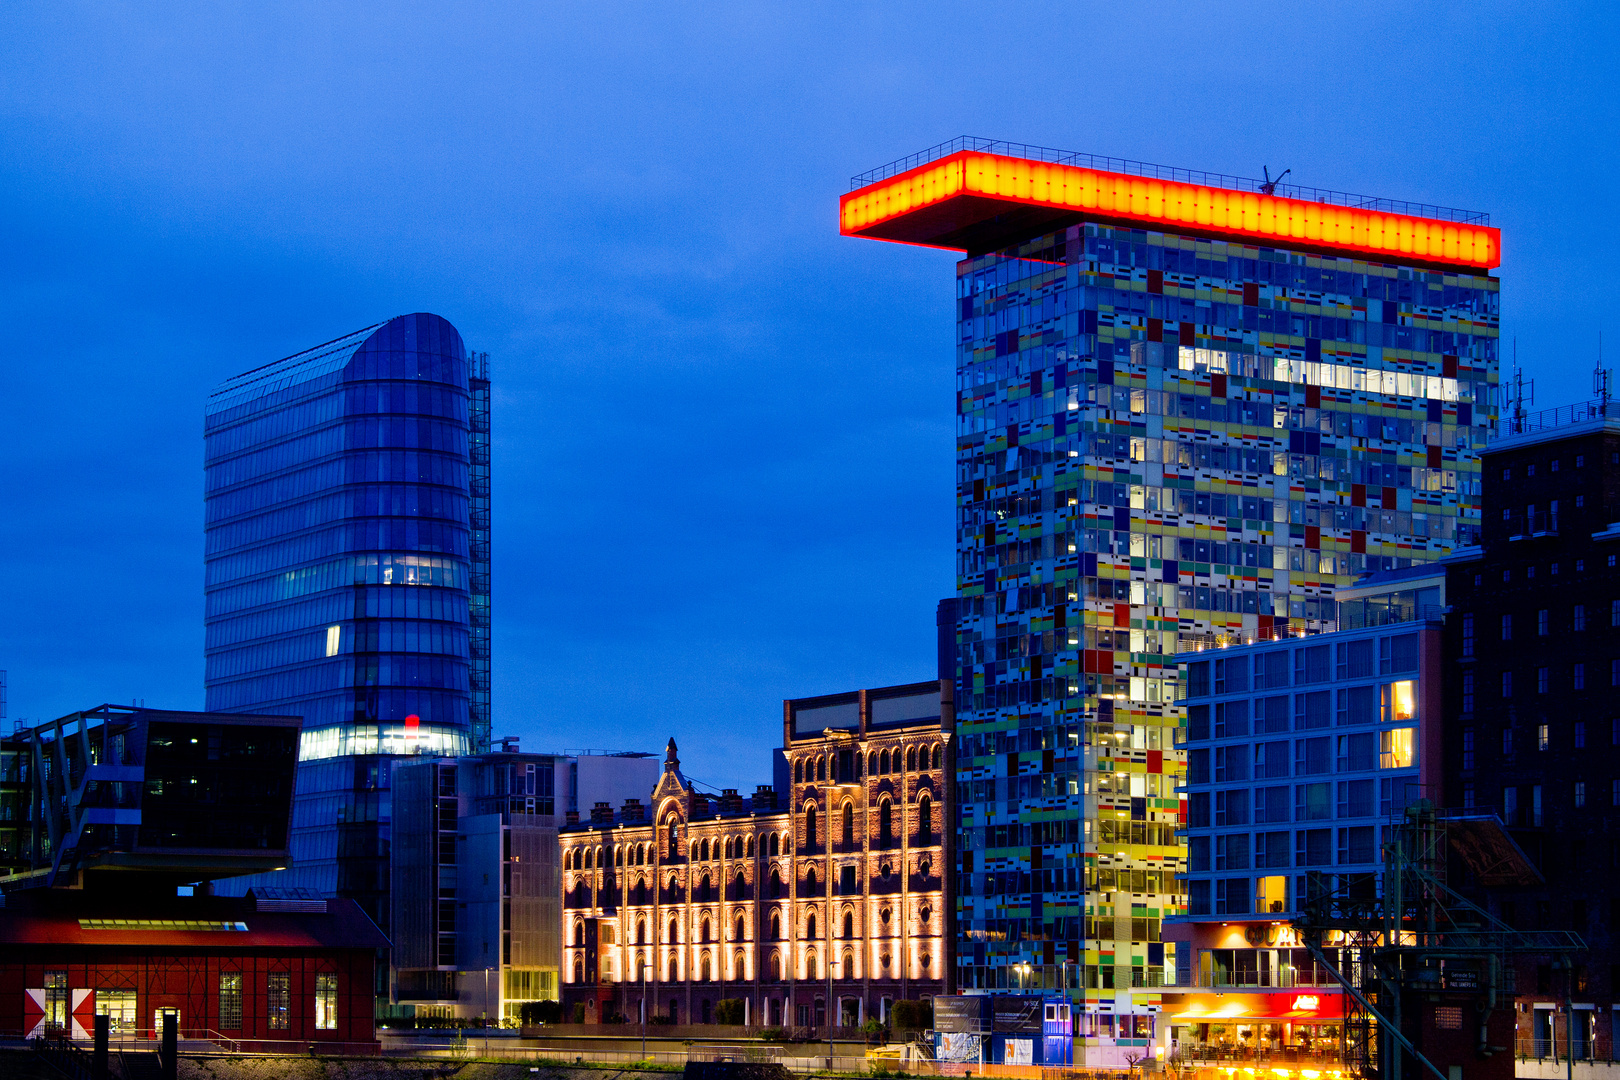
x,y
728,1011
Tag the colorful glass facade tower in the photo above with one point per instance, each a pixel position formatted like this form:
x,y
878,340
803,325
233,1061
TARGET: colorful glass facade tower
x,y
347,574
1189,408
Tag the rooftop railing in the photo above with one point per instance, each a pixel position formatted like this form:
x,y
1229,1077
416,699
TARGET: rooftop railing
x,y
1164,172
1562,416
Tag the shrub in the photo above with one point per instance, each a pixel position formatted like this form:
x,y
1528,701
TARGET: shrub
x,y
541,1012
729,1011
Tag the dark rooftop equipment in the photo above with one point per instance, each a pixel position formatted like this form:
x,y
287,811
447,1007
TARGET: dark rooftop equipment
x,y
147,799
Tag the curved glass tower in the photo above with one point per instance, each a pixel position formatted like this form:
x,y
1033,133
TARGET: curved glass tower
x,y
347,573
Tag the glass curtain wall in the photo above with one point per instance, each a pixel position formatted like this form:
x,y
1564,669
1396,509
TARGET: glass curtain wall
x,y
1166,443
338,575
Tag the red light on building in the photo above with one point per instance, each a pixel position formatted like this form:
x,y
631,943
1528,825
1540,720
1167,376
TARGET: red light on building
x,y
966,201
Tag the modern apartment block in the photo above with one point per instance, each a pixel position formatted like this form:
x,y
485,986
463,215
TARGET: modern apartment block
x,y
476,894
1533,642
1190,407
819,900
347,575
1301,752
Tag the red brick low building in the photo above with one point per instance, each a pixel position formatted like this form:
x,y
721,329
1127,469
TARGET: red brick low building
x,y
269,974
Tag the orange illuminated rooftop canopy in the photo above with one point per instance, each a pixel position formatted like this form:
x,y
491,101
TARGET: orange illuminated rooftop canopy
x,y
981,200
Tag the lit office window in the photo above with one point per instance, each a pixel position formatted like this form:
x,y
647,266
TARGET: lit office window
x,y
325,1002
1399,702
278,1001
334,638
230,1000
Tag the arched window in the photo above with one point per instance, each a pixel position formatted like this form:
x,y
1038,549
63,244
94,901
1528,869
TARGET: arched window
x,y
809,826
848,971
849,924
674,836
923,868
705,974
776,844
821,768
936,755
728,847
925,817
810,927
739,967
776,883
579,932
911,759
750,845
739,887
641,854
579,970
810,969
703,849
776,927
703,928
849,824
738,936
885,823
885,759
641,931
810,883
872,764
674,931
798,771
858,759
587,858
775,966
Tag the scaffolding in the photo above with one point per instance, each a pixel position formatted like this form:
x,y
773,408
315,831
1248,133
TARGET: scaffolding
x,y
1416,934
478,551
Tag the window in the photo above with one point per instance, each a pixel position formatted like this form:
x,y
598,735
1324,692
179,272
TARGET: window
x,y
119,1008
1507,742
849,824
1355,798
1358,705
1541,680
1270,760
1468,635
1577,618
1541,623
1398,702
56,999
1197,723
1313,802
230,1000
1577,676
1580,734
1270,805
278,1001
1543,736
1356,845
1468,795
1535,804
1198,679
1507,684
1311,665
1510,805
1231,764
1312,710
1468,748
1232,851
1231,808
1356,752
1395,748
1232,718
1313,847
1270,850
1580,794
1311,756
1507,627
1468,692
326,1001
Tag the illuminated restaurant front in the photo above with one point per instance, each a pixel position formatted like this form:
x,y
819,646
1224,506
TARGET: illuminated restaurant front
x,y
1277,1028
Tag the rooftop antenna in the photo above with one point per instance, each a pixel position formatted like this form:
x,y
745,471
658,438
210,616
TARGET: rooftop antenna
x,y
1521,393
1600,381
1269,186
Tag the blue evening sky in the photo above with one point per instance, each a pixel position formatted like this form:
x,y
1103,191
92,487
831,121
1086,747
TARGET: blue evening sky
x,y
723,442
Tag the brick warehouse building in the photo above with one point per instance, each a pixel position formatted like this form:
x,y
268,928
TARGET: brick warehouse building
x,y
835,890
266,973
122,818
